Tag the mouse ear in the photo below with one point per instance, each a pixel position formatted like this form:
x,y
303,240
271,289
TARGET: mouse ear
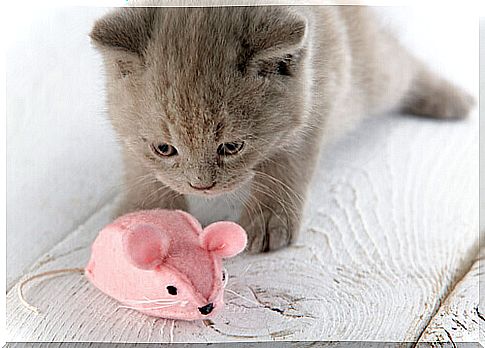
x,y
224,238
144,246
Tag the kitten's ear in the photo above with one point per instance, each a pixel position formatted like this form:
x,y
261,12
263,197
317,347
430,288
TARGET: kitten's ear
x,y
122,36
276,42
127,29
274,31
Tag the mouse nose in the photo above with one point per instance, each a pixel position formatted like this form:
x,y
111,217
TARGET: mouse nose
x,y
206,309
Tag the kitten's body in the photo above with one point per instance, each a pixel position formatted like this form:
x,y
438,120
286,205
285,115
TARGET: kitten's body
x,y
283,80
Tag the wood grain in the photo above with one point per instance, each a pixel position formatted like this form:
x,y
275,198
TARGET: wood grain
x,y
390,226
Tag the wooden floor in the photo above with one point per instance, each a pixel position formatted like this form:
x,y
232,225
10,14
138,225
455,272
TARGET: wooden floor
x,y
388,252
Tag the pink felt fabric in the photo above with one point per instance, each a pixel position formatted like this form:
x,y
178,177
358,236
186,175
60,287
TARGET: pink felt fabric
x,y
162,263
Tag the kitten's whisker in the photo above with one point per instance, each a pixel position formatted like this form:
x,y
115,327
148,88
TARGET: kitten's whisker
x,y
274,213
266,159
291,200
250,208
280,202
130,184
263,225
288,211
150,196
272,194
254,210
153,195
270,177
127,185
245,270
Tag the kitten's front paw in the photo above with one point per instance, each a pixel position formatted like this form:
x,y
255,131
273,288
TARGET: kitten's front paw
x,y
268,229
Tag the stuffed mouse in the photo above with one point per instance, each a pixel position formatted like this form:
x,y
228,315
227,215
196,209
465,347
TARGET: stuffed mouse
x,y
163,263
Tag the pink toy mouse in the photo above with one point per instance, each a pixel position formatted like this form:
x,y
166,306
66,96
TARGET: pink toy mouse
x,y
162,263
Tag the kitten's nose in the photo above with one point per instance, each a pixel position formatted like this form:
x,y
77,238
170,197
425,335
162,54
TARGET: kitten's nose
x,y
202,186
206,309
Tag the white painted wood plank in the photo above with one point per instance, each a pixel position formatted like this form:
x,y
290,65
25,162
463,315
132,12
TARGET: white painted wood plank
x,y
391,223
461,317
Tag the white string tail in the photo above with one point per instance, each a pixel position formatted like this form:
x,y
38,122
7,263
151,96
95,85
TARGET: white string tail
x,y
40,275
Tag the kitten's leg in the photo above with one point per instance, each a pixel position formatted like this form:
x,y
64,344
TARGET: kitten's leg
x,y
273,216
143,191
433,96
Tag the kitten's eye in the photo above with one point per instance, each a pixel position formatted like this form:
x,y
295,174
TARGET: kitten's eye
x,y
281,67
227,149
165,150
172,290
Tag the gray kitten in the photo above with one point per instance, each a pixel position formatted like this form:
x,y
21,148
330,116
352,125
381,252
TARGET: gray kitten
x,y
239,100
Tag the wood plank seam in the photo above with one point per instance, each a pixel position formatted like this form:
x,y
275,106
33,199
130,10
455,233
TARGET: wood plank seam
x,y
457,279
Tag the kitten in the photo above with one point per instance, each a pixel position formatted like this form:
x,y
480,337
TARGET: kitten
x,y
214,102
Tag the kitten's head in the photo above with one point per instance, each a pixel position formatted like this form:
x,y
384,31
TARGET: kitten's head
x,y
201,96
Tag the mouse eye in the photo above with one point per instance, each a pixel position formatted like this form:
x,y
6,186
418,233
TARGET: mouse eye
x,y
172,290
228,149
164,150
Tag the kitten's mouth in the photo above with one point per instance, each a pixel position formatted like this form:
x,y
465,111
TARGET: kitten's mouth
x,y
216,189
206,190
212,191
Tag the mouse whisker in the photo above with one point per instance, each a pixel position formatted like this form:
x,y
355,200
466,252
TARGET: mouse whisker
x,y
226,278
244,298
152,301
149,308
158,307
160,299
